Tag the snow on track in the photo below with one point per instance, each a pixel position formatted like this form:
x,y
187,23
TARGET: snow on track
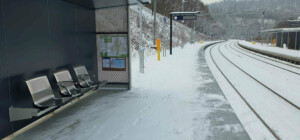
x,y
269,60
283,82
254,127
281,117
274,50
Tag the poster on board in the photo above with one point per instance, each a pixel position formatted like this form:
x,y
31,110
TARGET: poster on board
x,y
114,51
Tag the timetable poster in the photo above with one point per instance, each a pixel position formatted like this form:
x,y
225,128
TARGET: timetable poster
x,y
114,51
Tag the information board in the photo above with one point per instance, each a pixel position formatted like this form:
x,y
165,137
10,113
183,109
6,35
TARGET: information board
x,y
114,51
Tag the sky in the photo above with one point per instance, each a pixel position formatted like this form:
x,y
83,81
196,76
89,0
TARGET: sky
x,y
210,1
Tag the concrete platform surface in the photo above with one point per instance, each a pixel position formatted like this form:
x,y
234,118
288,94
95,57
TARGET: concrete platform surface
x,y
168,112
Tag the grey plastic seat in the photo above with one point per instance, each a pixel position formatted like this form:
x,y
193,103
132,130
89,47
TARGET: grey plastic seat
x,y
84,78
42,93
66,84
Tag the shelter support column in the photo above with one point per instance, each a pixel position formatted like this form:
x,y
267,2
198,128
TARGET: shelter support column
x,y
296,41
288,40
270,38
281,39
276,38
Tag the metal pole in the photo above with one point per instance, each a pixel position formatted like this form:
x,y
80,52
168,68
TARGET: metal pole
x,y
194,38
276,39
192,34
171,20
288,40
141,49
281,39
154,31
210,30
271,39
296,41
182,4
182,7
164,37
165,40
263,21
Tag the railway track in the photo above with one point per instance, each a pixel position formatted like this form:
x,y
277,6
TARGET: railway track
x,y
216,46
245,53
266,57
291,103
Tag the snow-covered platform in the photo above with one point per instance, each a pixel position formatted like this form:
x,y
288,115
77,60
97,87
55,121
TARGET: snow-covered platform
x,y
280,53
177,98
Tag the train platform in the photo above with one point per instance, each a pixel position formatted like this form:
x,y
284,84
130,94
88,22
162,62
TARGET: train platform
x,y
176,98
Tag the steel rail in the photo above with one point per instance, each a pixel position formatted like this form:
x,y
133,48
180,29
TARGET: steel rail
x,y
267,57
244,53
251,108
291,103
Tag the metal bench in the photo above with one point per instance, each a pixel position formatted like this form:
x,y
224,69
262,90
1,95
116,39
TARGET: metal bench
x,y
66,83
43,98
84,78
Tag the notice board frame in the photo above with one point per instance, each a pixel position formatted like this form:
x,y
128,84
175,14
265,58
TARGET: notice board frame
x,y
105,68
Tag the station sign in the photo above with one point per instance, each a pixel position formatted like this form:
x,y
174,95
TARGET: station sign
x,y
184,17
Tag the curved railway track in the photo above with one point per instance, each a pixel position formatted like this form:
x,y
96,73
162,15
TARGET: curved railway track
x,y
291,103
216,46
244,53
266,57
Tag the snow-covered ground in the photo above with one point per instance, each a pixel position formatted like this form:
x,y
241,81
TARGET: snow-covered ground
x,y
280,116
281,52
181,33
175,99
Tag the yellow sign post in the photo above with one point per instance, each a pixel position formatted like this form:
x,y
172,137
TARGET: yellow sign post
x,y
158,49
274,42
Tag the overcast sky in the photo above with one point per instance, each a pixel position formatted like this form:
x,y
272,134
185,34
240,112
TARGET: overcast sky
x,y
209,1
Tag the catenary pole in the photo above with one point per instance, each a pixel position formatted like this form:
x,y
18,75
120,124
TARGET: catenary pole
x,y
182,35
154,30
171,28
141,48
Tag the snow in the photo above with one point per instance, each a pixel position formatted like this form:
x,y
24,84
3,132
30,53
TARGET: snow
x,y
283,29
185,12
282,117
269,60
265,74
170,101
292,54
174,80
181,33
254,127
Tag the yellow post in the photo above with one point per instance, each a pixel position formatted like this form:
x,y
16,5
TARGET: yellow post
x,y
274,42
158,49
